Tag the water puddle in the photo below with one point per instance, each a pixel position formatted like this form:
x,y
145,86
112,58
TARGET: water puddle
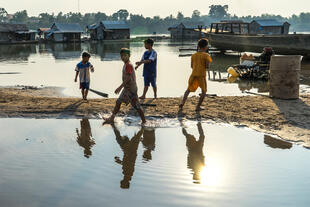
x,y
82,163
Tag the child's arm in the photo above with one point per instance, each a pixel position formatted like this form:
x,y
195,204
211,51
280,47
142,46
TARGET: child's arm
x,y
129,71
192,62
76,75
92,69
122,85
142,62
151,59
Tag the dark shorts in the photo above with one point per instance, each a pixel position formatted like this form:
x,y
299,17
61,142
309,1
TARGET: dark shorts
x,y
150,80
127,97
84,85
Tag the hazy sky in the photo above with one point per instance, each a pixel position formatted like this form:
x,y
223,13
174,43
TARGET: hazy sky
x,y
158,7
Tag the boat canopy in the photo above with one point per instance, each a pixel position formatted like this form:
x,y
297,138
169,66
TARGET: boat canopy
x,y
232,27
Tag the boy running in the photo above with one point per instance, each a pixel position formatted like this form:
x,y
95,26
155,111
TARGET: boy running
x,y
129,87
200,62
149,59
83,69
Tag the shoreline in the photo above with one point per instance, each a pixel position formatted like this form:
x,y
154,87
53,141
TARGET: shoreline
x,y
288,119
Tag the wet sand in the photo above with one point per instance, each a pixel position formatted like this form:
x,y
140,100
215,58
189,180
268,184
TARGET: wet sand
x,y
289,119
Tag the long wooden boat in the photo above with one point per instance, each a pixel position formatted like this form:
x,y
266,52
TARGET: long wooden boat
x,y
238,36
291,44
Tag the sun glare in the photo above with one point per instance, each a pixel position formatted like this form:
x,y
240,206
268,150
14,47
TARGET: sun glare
x,y
211,175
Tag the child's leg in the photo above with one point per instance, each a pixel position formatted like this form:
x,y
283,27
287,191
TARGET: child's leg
x,y
85,93
203,95
154,85
82,91
155,92
141,113
184,98
146,88
115,111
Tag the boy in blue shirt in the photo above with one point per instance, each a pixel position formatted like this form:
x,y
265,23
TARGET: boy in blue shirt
x,y
149,59
83,69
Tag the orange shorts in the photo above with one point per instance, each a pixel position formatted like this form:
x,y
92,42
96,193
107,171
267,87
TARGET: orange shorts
x,y
197,81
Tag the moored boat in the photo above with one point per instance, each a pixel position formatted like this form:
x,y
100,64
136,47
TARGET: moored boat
x,y
237,37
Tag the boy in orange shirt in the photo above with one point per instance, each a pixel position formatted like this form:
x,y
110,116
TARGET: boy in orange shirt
x,y
200,62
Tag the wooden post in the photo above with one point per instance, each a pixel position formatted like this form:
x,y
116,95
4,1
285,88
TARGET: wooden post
x,y
240,28
211,28
200,29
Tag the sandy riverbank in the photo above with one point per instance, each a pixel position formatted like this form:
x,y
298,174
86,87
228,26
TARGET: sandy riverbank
x,y
289,120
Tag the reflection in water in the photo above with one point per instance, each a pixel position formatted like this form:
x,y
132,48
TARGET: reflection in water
x,y
277,143
84,138
148,142
65,51
129,148
107,51
16,53
195,158
246,85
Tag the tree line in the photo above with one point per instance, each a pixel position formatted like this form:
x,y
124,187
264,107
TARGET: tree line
x,y
146,25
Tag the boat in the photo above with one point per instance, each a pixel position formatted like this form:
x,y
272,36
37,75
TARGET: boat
x,y
237,37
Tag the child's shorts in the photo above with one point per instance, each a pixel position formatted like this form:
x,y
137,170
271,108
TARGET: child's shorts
x,y
197,81
84,85
127,97
150,81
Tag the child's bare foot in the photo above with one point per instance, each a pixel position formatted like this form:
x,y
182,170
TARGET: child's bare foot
x,y
198,108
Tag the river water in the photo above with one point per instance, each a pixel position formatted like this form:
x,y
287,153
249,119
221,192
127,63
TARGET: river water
x,y
54,64
82,163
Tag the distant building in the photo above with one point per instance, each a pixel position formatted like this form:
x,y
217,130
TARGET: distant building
x,y
15,33
42,32
269,26
60,32
109,30
186,31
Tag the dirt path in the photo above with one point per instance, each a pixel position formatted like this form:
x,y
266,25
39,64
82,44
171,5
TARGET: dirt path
x,y
287,119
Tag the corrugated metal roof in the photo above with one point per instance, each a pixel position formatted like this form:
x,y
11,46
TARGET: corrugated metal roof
x,y
6,27
68,28
115,24
93,26
269,22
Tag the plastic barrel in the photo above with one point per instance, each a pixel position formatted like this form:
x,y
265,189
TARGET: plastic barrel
x,y
284,76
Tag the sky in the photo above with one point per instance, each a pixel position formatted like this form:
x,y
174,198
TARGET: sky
x,y
162,8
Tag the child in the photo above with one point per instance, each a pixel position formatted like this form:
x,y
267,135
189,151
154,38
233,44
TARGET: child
x,y
149,59
129,86
200,62
82,69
